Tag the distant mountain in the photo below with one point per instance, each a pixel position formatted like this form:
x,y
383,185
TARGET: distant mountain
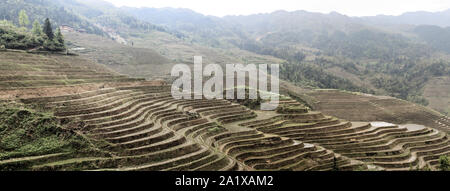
x,y
279,21
413,18
172,17
332,34
205,29
437,37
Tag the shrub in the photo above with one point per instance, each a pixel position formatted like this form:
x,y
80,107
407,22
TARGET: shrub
x,y
27,133
14,38
290,109
444,164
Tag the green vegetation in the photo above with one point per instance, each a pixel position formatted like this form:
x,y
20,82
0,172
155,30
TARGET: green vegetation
x,y
23,19
437,37
37,30
444,163
12,37
25,133
306,74
381,63
48,29
42,9
85,16
290,109
250,103
214,129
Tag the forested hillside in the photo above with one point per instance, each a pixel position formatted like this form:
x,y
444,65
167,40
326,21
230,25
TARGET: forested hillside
x,y
91,16
412,18
42,9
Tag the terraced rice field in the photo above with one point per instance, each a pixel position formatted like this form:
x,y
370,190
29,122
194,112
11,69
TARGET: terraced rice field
x,y
19,70
143,128
372,108
149,130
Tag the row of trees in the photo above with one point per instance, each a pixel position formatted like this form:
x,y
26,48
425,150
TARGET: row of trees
x,y
42,38
51,41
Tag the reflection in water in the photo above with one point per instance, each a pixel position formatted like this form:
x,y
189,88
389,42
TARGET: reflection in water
x,y
412,127
381,124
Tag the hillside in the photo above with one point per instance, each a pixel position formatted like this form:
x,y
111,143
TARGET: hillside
x,y
32,75
183,51
440,18
136,125
39,10
352,54
93,17
438,92
124,59
369,54
31,132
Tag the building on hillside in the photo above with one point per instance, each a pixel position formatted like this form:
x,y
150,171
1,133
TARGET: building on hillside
x,y
66,28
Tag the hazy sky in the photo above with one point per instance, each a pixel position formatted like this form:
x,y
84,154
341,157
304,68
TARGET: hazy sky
x,y
245,7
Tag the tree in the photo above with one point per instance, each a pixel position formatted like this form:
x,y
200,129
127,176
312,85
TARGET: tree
x,y
55,44
47,29
444,163
37,30
23,18
59,37
59,40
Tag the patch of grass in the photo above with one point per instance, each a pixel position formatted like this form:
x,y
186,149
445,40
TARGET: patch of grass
x,y
214,129
286,109
25,133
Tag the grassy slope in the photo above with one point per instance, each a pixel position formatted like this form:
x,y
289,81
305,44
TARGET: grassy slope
x,y
132,61
25,132
154,54
183,51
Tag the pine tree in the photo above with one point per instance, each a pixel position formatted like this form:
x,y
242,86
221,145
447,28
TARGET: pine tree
x,y
59,40
23,19
59,37
37,30
47,29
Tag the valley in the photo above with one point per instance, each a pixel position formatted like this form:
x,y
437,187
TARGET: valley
x,y
356,93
